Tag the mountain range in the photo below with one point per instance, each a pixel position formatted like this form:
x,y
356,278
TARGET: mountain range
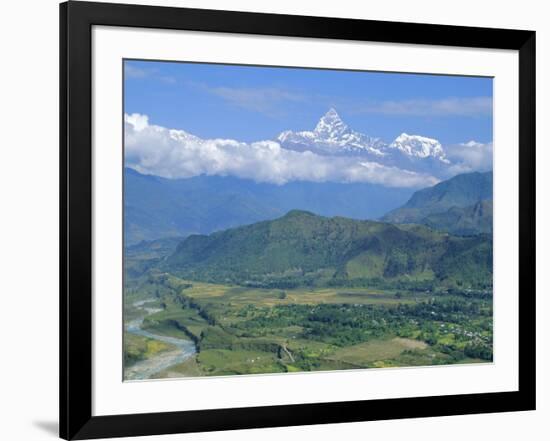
x,y
460,205
160,208
302,248
157,207
332,136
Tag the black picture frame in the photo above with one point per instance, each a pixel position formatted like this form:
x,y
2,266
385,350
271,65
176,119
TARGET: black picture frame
x,y
76,21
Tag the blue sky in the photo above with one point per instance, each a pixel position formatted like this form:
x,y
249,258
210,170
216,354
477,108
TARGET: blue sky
x,y
254,103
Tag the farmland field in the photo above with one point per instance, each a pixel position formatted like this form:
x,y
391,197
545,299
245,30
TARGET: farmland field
x,y
240,330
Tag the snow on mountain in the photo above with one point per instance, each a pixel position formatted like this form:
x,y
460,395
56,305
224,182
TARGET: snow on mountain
x,y
332,136
419,147
331,126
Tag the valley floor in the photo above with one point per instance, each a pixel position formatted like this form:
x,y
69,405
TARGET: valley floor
x,y
181,328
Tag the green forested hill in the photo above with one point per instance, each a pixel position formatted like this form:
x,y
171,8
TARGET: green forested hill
x,y
303,248
460,205
474,219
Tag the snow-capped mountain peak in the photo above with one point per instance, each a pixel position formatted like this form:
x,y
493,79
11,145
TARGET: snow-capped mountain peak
x,y
331,125
332,136
419,147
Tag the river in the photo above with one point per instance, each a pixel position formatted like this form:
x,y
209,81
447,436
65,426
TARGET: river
x,y
144,369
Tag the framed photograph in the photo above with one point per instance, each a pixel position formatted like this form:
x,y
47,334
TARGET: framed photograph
x,y
273,220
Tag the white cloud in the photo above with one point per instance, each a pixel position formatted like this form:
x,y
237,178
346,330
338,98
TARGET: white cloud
x,y
137,121
156,150
470,156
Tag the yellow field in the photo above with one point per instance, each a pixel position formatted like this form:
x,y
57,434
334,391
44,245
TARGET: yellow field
x,y
298,296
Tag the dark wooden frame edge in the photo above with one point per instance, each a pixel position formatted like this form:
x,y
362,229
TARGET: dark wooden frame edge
x,y
75,410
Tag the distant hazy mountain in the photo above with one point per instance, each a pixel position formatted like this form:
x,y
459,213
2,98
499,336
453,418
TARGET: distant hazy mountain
x,y
157,207
461,205
303,248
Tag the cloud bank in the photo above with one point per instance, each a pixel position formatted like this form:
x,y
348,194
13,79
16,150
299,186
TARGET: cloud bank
x,y
470,156
156,150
